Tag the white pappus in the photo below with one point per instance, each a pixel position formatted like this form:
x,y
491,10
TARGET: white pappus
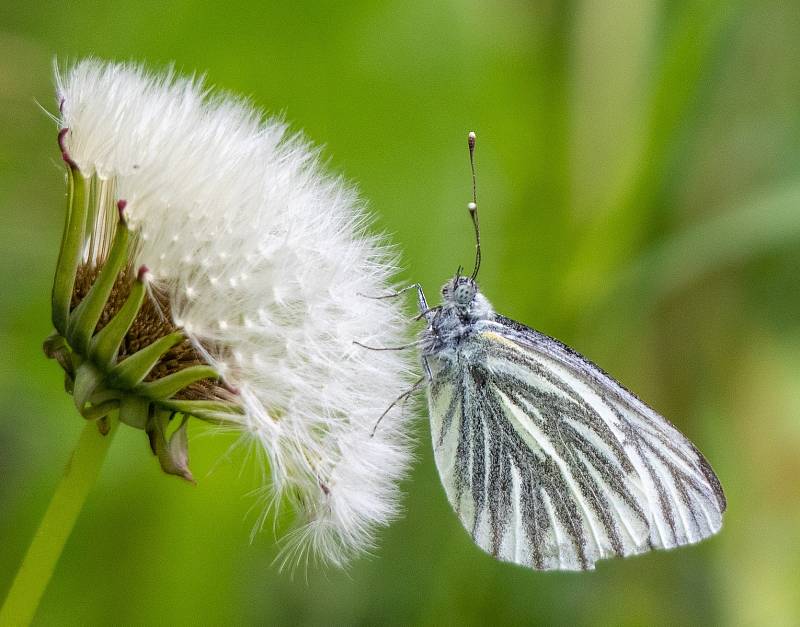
x,y
260,258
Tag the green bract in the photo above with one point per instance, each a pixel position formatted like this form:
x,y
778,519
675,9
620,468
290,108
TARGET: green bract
x,y
121,354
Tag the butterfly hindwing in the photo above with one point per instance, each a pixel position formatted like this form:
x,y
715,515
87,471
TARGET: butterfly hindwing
x,y
552,464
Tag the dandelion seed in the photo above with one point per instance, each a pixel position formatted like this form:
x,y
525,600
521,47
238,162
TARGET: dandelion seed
x,y
227,287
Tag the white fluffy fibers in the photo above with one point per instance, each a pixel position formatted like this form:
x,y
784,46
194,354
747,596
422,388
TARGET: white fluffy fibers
x,y
265,261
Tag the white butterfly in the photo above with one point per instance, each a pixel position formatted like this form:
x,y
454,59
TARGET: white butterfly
x,y
546,459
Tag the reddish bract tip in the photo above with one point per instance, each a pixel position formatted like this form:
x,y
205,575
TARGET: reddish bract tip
x,y
230,388
143,270
62,134
68,160
121,204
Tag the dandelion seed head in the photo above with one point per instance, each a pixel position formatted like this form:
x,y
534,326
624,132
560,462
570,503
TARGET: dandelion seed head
x,y
263,259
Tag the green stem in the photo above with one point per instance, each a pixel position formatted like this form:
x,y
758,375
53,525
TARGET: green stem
x,y
40,561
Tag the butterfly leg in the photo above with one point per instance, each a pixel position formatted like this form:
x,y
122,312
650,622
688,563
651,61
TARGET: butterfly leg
x,y
424,312
427,367
402,397
388,348
422,303
400,292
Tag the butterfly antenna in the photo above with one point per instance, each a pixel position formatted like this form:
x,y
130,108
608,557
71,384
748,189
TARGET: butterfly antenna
x,y
473,206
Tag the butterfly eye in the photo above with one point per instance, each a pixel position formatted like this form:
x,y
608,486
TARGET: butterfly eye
x,y
464,293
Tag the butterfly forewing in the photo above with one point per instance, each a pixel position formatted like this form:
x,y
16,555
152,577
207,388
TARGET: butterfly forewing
x,y
552,464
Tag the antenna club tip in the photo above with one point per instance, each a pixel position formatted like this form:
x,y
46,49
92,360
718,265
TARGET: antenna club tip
x,y
472,207
471,139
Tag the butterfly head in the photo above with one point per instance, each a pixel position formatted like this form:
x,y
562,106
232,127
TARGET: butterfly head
x,y
461,295
460,291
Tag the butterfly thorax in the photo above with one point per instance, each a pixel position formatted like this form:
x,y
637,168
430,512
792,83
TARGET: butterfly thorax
x,y
462,308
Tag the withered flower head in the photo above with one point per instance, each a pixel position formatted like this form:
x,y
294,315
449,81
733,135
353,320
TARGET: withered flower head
x,y
209,269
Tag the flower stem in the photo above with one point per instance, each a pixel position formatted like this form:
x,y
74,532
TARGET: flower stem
x,y
40,561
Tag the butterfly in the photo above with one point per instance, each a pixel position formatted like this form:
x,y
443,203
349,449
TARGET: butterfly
x,y
547,460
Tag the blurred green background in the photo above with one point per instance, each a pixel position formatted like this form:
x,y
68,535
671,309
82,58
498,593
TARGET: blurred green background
x,y
639,179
